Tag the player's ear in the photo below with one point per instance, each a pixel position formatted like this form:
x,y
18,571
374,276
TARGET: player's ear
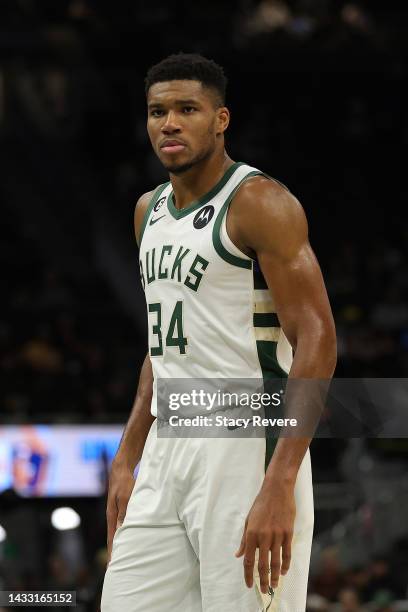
x,y
223,118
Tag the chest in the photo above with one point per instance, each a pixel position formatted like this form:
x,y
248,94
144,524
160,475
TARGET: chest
x,y
179,251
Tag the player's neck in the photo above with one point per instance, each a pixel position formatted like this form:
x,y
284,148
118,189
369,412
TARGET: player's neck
x,y
197,181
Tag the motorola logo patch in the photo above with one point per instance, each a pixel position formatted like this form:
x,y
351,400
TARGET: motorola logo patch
x,y
203,217
159,204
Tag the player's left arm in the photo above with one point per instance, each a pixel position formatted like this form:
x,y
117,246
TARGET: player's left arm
x,y
267,220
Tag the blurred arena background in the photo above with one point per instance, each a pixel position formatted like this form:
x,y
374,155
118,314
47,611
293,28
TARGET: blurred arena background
x,y
318,99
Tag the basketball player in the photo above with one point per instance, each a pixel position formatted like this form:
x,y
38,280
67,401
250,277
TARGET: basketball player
x,y
233,290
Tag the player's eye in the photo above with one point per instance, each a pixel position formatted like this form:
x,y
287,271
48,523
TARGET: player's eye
x,y
188,109
156,112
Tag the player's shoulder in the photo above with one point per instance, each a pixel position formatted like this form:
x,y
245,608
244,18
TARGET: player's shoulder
x,y
262,187
141,207
143,202
263,195
264,212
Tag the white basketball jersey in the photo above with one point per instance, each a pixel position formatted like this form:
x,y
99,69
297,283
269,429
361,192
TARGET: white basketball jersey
x,y
210,312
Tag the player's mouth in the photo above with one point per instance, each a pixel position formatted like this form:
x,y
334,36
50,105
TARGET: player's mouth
x,y
172,146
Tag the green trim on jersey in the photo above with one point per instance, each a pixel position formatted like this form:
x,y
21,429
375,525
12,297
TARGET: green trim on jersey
x,y
234,260
158,191
259,280
270,370
268,359
183,212
267,355
266,348
266,319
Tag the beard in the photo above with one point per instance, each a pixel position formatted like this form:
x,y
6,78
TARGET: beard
x,y
182,167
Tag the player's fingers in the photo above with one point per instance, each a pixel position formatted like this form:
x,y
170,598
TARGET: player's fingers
x,y
286,552
241,548
249,559
263,567
275,563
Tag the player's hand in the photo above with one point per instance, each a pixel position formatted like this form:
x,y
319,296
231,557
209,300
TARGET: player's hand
x,y
269,527
121,483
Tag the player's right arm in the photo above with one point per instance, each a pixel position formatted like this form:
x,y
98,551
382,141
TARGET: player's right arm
x,y
121,480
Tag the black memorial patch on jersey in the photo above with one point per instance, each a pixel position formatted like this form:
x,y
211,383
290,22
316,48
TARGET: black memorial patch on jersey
x,y
203,217
159,204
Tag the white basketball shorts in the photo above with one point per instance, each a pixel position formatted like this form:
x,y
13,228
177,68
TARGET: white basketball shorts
x,y
185,518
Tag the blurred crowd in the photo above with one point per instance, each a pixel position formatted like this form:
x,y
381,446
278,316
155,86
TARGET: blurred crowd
x,y
67,354
379,586
317,100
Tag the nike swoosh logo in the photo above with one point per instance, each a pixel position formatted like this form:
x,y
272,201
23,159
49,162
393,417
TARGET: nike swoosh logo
x,y
232,427
153,221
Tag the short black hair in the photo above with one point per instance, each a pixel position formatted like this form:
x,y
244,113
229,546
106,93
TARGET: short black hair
x,y
189,66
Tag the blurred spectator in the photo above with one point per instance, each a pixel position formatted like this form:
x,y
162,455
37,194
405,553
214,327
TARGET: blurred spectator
x,y
269,16
381,578
349,601
383,601
39,353
317,603
329,578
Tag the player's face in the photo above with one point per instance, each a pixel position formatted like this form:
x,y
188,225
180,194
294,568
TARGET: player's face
x,y
184,123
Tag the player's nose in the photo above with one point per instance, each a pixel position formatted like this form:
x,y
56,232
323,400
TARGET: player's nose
x,y
171,124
